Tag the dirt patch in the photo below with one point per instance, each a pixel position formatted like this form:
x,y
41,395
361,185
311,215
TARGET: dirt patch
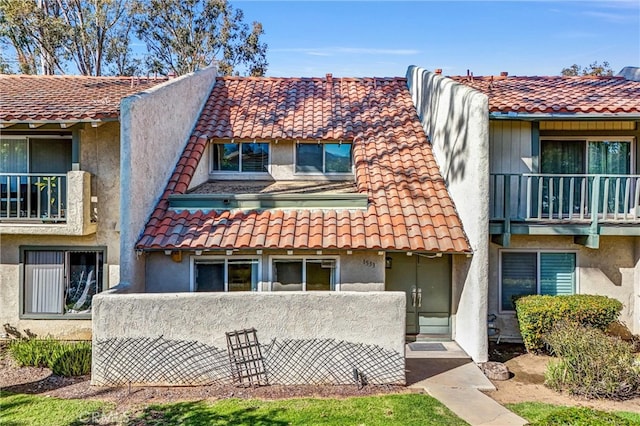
x,y
527,383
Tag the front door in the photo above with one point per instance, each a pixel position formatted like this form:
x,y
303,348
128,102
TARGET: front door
x,y
426,282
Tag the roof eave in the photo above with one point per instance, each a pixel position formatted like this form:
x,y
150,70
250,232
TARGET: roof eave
x,y
527,116
63,123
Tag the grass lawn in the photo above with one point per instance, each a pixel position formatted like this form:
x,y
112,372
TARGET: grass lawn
x,y
549,414
406,409
32,410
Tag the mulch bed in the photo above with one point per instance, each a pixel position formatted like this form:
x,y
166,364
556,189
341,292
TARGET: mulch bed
x,y
32,380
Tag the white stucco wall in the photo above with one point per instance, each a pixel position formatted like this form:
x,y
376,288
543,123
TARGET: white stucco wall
x,y
456,120
155,127
610,271
206,317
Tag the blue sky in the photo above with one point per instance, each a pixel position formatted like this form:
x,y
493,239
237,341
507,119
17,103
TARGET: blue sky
x,y
382,38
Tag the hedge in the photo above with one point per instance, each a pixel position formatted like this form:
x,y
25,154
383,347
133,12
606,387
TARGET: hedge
x,y
538,314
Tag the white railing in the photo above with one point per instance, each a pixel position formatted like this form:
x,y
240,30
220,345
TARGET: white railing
x,y
31,196
565,198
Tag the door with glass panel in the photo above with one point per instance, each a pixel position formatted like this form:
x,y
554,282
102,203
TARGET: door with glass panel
x,y
570,166
32,181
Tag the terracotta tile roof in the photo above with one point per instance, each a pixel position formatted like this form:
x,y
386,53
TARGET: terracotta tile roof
x,y
409,208
556,94
66,97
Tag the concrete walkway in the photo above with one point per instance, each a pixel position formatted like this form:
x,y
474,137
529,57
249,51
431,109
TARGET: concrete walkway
x,y
451,377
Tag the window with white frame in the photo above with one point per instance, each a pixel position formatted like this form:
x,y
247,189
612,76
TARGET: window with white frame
x,y
304,274
226,274
246,157
323,158
61,282
525,273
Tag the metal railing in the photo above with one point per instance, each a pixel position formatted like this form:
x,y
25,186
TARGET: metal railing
x,y
33,196
565,198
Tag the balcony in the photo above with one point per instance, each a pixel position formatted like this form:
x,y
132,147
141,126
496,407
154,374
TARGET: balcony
x,y
53,204
580,205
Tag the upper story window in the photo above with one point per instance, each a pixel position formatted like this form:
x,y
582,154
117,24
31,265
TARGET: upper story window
x,y
38,154
323,158
586,156
247,157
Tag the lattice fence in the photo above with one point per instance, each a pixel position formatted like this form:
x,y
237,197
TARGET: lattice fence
x,y
159,361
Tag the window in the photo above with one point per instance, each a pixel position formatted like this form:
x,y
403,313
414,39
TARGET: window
x,y
525,273
307,274
323,158
32,180
223,274
248,157
583,158
590,156
61,282
20,154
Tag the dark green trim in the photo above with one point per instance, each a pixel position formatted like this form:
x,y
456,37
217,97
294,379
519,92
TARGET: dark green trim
x,y
585,229
535,146
75,149
23,249
267,201
589,241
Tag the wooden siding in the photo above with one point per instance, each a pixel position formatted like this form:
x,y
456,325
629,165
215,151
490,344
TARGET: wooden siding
x,y
587,125
510,147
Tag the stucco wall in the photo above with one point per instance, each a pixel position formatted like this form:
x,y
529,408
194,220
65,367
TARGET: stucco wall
x,y
206,317
359,271
155,126
99,156
456,120
610,270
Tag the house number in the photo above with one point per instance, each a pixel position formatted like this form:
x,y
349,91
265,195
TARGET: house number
x,y
368,263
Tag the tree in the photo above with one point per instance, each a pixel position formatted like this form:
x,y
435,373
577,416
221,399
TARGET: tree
x,y
92,28
185,35
47,34
36,32
593,69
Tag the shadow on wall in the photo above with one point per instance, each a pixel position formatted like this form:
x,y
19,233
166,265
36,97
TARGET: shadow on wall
x,y
445,108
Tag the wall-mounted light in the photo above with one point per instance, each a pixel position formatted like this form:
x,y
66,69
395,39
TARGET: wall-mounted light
x,y
259,251
229,252
198,252
388,262
289,252
319,252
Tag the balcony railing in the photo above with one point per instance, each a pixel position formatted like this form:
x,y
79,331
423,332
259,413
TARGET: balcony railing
x,y
565,198
30,196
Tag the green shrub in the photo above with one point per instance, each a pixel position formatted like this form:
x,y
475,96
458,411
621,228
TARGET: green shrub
x,y
591,363
63,358
72,360
538,314
581,416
